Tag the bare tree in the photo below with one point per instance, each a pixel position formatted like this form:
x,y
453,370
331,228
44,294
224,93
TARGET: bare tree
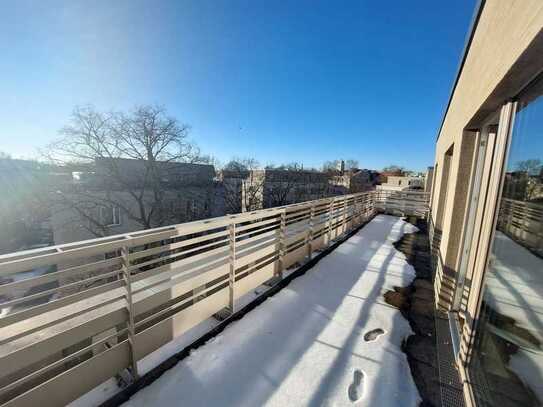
x,y
331,166
351,164
290,183
129,161
280,186
212,160
243,182
525,183
394,170
335,165
531,167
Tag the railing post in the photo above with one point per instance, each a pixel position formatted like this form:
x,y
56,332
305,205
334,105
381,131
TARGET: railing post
x,y
361,208
427,206
353,220
282,243
357,209
232,261
330,216
344,221
365,206
126,276
310,233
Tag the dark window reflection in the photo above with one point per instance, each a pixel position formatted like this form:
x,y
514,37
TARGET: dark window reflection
x,y
507,368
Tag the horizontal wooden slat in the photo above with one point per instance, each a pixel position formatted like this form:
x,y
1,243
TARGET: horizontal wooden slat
x,y
159,334
177,245
76,301
58,275
71,384
27,350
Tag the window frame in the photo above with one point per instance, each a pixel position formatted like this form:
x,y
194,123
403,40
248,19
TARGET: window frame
x,y
525,96
115,215
482,243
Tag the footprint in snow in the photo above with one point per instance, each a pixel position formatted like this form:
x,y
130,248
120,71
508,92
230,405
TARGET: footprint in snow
x,y
356,388
373,334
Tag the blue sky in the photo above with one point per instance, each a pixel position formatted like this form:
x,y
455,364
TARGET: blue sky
x,y
279,81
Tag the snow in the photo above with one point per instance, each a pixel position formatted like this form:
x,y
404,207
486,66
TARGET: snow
x,y
514,289
110,387
18,293
516,283
528,365
305,345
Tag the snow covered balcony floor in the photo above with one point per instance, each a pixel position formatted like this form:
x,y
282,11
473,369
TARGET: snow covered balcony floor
x,y
328,338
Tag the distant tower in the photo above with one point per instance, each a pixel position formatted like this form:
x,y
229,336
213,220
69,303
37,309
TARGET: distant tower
x,y
342,166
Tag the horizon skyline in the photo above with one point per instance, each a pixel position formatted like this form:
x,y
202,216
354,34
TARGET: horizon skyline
x,y
219,165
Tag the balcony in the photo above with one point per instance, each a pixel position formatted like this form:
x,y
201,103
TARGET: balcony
x,y
114,313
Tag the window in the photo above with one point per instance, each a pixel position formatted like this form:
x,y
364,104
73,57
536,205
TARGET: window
x,y
434,177
442,199
110,215
507,363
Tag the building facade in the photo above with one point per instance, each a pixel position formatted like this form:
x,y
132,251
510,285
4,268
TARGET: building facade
x,y
486,220
24,212
429,180
353,181
116,196
402,183
248,190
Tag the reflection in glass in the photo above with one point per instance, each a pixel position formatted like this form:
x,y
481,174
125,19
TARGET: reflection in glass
x,y
507,366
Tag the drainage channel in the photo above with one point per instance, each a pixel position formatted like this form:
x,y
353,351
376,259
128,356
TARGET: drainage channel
x,y
429,351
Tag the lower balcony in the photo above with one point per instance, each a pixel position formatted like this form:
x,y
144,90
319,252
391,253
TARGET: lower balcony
x,y
302,304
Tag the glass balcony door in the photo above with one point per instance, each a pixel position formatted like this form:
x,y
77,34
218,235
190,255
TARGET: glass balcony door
x,y
506,363
483,159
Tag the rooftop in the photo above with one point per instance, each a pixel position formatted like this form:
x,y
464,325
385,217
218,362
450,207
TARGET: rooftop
x,y
328,338
114,310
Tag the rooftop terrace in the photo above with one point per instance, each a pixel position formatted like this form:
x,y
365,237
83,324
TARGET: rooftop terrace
x,y
101,314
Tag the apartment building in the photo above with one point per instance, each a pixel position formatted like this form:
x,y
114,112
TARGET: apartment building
x,y
112,196
487,207
247,190
24,213
402,183
353,180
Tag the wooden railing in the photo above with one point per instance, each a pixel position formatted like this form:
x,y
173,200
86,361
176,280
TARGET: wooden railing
x,y
523,222
403,203
78,314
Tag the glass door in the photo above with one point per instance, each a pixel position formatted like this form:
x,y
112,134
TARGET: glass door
x,y
506,366
483,161
475,213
